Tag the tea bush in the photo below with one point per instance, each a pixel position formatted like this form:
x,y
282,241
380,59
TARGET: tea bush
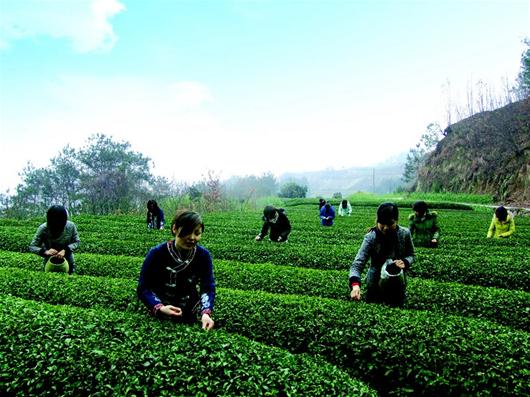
x,y
68,351
444,355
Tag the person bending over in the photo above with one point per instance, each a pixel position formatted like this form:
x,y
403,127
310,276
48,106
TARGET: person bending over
x,y
56,240
423,226
502,224
276,220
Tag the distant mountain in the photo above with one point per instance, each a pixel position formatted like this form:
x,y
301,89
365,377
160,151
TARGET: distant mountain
x,y
487,153
382,178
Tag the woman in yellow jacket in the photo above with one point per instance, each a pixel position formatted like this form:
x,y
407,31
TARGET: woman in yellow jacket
x,y
502,224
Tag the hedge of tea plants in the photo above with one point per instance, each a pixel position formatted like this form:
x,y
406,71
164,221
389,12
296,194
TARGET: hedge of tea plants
x,y
464,332
507,307
445,355
69,351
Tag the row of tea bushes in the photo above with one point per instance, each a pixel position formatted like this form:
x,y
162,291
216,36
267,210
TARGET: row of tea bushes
x,y
507,307
457,226
498,264
403,204
393,350
70,351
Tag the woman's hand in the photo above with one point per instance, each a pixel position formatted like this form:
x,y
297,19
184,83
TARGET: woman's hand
x,y
399,263
171,311
207,322
258,237
60,254
50,252
356,292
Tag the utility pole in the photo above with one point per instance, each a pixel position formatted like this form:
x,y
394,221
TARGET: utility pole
x,y
373,180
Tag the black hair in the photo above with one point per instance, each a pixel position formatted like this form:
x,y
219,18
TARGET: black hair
x,y
188,221
344,203
420,206
56,218
387,213
153,204
269,212
501,213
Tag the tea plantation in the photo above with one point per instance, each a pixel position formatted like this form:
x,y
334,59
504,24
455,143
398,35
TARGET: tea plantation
x,y
284,323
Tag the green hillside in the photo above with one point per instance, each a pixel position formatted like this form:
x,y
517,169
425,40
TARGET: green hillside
x,y
488,153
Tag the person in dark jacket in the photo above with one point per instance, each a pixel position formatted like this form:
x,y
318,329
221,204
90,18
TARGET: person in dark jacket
x,y
276,220
176,280
423,226
155,216
327,215
56,240
390,250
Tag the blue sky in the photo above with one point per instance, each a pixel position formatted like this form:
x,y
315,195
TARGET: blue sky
x,y
244,87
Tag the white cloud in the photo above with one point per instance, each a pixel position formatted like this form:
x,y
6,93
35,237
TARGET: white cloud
x,y
84,22
165,121
185,129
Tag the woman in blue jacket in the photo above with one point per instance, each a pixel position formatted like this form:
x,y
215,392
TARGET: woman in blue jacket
x,y
155,216
327,214
176,280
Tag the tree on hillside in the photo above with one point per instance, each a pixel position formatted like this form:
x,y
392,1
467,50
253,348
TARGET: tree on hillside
x,y
293,190
251,186
416,156
65,176
103,177
522,87
35,194
112,175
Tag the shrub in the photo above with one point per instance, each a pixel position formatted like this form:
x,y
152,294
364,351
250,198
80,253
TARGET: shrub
x,y
394,350
69,351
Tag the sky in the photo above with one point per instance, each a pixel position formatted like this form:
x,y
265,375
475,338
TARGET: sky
x,y
244,87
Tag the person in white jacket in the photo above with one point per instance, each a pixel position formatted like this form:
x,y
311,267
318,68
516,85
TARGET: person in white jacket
x,y
345,208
